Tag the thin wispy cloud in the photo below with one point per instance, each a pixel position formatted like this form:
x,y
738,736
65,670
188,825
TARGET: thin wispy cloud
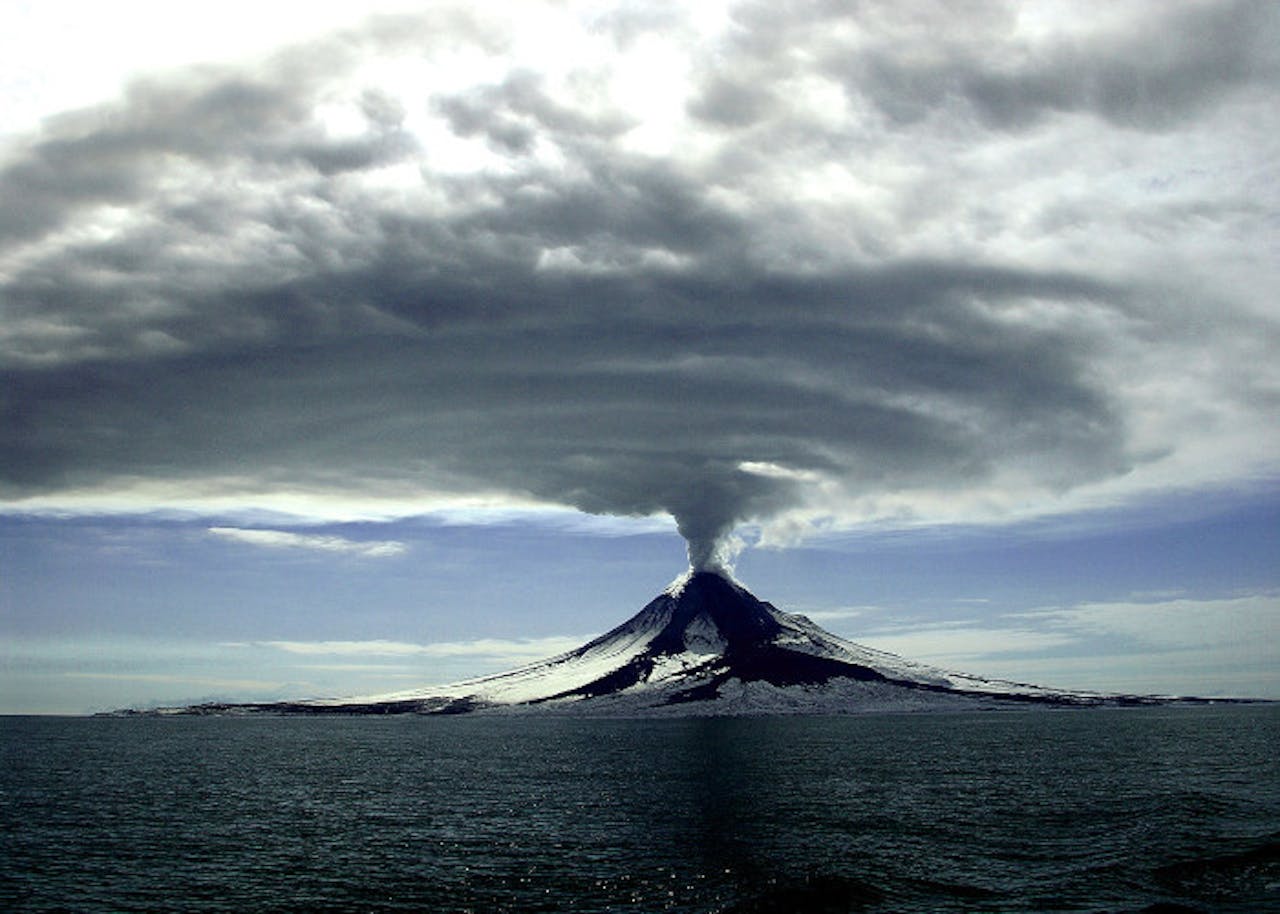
x,y
1236,633
1251,622
175,679
966,644
514,649
838,613
281,539
389,670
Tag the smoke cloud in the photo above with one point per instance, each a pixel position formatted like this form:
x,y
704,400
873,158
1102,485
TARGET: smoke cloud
x,y
707,513
819,280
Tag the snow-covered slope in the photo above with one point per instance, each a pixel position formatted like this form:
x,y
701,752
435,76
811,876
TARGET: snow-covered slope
x,y
706,646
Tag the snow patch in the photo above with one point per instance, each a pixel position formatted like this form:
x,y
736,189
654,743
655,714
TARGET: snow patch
x,y
639,668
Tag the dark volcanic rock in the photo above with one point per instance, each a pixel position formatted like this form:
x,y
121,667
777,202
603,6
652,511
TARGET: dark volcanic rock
x,y
706,645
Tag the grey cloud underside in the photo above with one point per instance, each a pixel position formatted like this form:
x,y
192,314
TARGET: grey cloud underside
x,y
589,393
1151,66
608,333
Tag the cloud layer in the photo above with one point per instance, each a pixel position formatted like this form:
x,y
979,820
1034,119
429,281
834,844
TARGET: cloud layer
x,y
1144,645
513,651
280,539
812,265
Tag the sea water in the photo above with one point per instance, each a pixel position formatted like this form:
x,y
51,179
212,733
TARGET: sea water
x,y
1166,809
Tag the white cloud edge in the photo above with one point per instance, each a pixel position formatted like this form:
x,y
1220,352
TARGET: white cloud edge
x,y
173,679
516,648
282,539
928,512
1248,622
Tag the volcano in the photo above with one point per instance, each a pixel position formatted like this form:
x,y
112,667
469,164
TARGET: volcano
x,y
706,646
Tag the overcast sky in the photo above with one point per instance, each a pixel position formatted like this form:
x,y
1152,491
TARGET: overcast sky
x,y
344,349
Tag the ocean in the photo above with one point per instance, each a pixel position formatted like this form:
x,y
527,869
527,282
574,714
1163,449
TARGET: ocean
x,y
1158,809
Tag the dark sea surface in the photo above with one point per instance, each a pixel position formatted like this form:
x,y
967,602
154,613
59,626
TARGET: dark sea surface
x,y
1166,809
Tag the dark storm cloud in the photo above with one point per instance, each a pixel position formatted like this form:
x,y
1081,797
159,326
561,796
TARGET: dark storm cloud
x,y
605,330
514,113
110,156
1148,78
206,116
1160,64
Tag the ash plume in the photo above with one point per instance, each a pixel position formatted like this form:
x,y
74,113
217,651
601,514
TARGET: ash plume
x,y
205,289
708,511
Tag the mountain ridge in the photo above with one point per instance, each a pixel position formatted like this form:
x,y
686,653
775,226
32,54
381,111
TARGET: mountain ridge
x,y
706,646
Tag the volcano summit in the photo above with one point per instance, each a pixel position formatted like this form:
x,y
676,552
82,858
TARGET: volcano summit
x,y
706,646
